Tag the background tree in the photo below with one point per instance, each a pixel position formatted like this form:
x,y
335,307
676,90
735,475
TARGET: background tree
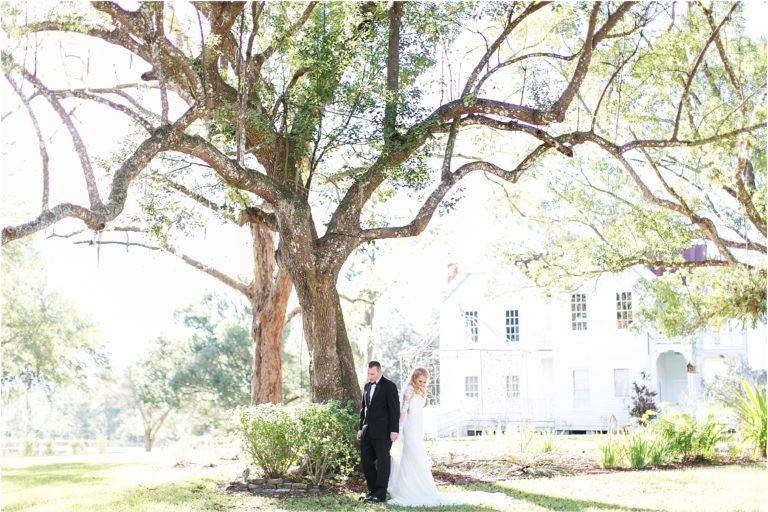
x,y
315,108
723,388
46,344
403,348
360,288
173,212
654,200
215,368
295,369
206,369
154,387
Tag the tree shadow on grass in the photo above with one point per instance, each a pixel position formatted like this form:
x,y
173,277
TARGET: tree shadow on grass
x,y
348,502
200,495
550,502
61,473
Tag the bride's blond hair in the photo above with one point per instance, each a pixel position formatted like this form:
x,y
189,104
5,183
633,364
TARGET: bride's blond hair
x,y
415,374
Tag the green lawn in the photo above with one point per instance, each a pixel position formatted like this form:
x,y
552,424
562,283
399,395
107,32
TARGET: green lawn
x,y
116,484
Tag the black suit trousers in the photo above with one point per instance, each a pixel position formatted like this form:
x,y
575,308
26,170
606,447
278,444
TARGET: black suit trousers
x,y
374,455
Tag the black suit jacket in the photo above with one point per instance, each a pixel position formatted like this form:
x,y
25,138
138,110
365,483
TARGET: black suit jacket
x,y
383,415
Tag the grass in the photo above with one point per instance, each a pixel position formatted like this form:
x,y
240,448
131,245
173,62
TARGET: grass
x,y
104,483
704,488
111,484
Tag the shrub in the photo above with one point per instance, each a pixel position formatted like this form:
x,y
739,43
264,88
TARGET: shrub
x,y
638,450
750,406
642,400
48,447
547,442
520,440
270,437
327,433
28,448
689,438
319,436
658,451
610,452
77,447
736,448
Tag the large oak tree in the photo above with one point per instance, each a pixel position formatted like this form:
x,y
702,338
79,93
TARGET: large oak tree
x,y
329,104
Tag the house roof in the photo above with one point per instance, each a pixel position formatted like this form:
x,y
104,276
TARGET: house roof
x,y
459,281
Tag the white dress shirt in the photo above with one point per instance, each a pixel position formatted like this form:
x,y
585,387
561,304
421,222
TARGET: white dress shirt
x,y
373,388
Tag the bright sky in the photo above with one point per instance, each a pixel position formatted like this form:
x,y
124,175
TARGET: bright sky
x,y
132,295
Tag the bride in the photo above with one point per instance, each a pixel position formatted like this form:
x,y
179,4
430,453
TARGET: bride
x,y
411,482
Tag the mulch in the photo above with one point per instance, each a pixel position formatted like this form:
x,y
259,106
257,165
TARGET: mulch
x,y
547,466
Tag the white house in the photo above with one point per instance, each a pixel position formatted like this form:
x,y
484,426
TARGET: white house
x,y
510,355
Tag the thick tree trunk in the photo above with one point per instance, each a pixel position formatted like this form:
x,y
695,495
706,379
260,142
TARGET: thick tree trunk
x,y
314,266
151,429
349,382
148,440
266,377
332,370
269,301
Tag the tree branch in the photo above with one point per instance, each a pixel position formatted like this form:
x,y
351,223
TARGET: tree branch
x,y
291,315
199,198
668,143
692,73
83,94
704,223
234,174
393,72
80,149
254,215
40,142
162,139
347,214
228,280
509,26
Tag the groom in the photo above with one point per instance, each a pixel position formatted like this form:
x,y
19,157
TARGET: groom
x,y
378,429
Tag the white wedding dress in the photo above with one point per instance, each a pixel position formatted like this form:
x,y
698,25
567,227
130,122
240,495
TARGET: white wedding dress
x,y
410,479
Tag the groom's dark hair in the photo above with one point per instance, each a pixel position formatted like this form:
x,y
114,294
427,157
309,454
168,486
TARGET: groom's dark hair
x,y
374,363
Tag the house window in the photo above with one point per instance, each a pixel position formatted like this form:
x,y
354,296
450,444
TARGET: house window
x,y
578,312
580,388
470,318
621,382
471,387
623,309
512,321
513,386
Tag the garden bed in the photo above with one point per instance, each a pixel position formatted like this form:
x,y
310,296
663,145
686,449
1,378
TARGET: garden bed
x,y
272,487
549,465
463,472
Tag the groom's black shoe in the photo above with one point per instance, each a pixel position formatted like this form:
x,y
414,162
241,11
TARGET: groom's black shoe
x,y
372,499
